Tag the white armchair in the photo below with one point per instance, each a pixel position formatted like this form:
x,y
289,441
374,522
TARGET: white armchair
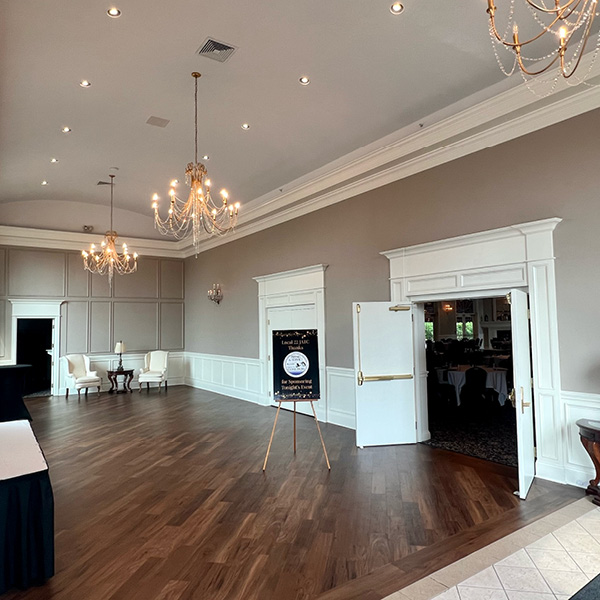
x,y
78,374
155,369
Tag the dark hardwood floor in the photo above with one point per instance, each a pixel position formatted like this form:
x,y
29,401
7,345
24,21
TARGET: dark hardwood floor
x,y
162,497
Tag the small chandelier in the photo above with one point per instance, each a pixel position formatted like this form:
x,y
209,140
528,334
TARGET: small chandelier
x,y
106,260
569,22
199,214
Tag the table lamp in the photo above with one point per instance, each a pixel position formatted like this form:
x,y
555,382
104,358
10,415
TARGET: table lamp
x,y
119,349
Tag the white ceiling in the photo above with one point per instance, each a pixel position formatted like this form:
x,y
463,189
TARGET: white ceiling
x,y
372,73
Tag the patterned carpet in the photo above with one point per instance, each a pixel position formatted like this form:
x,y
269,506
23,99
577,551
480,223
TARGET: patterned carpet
x,y
40,394
493,439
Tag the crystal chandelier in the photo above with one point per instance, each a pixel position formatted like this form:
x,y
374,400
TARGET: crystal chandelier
x,y
561,30
199,214
106,260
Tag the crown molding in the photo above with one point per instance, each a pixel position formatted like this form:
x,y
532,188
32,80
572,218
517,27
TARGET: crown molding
x,y
461,241
292,273
448,135
66,240
504,117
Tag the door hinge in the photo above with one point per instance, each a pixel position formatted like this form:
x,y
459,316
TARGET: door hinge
x,y
528,314
269,394
269,357
532,383
535,451
416,426
268,321
358,308
509,298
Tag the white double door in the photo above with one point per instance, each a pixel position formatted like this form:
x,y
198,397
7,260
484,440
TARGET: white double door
x,y
291,318
384,371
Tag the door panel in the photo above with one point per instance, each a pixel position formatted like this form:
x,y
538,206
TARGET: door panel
x,y
384,374
294,317
522,390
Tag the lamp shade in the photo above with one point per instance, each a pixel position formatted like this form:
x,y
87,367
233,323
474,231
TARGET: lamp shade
x,y
119,348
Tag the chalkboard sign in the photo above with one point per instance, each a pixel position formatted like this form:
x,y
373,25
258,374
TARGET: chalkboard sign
x,y
295,365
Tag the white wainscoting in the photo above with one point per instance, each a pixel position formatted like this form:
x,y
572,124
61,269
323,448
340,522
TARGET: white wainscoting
x,y
341,407
131,360
578,465
228,375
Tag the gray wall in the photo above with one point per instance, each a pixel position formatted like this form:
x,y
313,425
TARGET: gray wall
x,y
553,172
144,309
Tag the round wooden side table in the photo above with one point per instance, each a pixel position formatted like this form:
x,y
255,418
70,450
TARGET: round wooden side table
x,y
589,432
114,383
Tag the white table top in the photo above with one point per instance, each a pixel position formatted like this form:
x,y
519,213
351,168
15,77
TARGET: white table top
x,y
20,453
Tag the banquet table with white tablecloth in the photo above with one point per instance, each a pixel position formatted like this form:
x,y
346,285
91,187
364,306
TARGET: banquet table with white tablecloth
x,y
495,380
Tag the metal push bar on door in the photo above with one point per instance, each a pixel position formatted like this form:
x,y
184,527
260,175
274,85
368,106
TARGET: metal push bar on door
x,y
365,378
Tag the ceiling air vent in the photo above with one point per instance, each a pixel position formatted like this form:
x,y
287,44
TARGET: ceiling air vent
x,y
157,121
216,50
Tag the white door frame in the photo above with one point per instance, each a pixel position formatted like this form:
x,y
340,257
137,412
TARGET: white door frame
x,y
299,287
39,309
488,264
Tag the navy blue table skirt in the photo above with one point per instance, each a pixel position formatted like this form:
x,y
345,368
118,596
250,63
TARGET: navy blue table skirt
x,y
26,531
590,592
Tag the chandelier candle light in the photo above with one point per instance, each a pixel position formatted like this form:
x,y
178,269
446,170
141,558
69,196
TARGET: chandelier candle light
x,y
199,214
106,260
569,22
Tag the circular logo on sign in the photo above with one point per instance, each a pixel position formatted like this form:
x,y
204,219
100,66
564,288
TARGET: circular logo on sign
x,y
295,364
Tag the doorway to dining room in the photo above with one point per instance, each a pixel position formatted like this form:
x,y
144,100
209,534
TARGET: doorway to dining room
x,y
469,360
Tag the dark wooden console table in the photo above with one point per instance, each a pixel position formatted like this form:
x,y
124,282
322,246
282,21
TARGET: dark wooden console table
x,y
114,384
589,432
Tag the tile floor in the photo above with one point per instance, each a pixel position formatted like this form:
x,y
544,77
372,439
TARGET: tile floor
x,y
550,559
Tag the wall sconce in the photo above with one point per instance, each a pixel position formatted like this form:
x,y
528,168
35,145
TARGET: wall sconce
x,y
215,295
447,307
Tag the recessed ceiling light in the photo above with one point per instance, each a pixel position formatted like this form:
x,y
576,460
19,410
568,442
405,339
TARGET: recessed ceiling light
x,y
54,160
304,80
396,8
245,126
84,83
66,129
206,157
113,12
44,182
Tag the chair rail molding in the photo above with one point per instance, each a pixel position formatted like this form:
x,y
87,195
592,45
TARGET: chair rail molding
x,y
487,264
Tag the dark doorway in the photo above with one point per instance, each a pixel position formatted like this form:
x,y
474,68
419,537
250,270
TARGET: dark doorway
x,y
34,338
470,376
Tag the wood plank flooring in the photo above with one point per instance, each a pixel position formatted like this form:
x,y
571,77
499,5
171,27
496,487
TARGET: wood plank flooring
x,y
162,497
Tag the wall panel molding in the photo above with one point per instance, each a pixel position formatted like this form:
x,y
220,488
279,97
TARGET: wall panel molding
x,y
578,405
227,375
341,403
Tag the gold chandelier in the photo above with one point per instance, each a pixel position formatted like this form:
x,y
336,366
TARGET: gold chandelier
x,y
569,22
199,214
106,260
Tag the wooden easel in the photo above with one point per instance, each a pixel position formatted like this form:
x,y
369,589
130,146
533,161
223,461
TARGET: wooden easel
x,y
275,424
